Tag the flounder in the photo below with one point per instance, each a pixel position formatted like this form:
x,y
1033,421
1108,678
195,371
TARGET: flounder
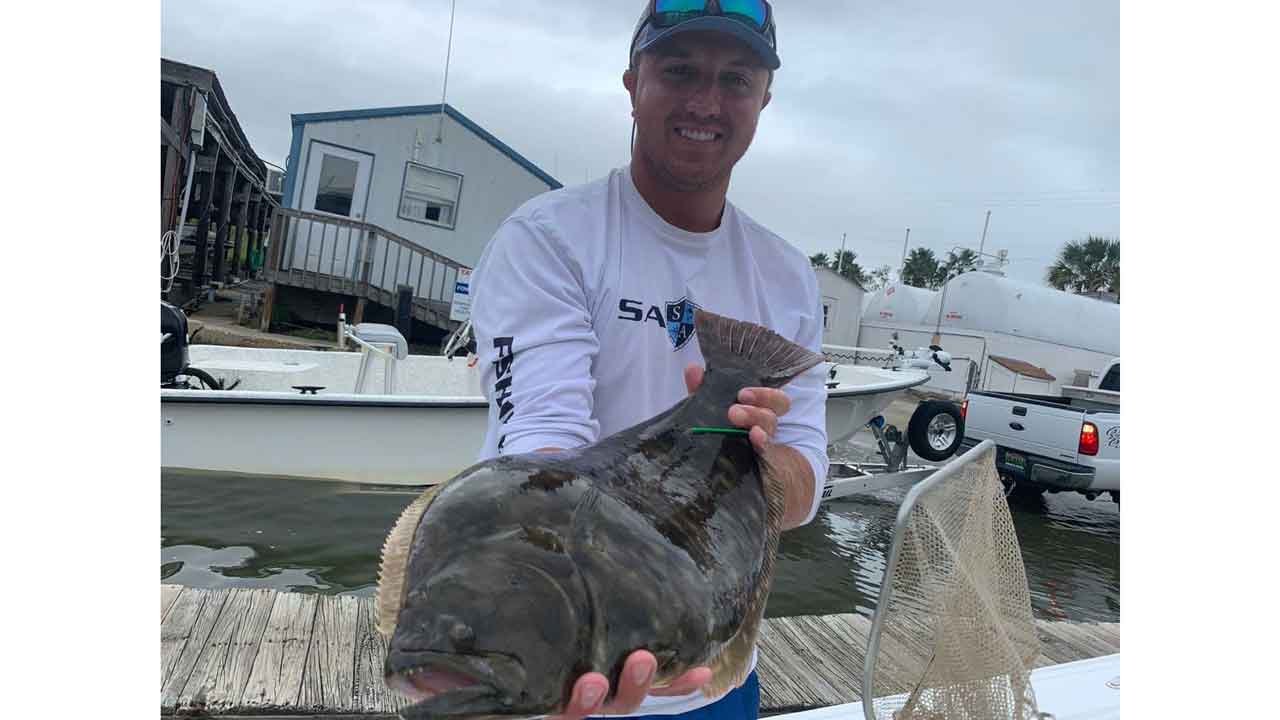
x,y
502,586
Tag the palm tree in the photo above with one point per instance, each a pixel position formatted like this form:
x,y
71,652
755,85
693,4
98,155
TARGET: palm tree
x,y
844,263
921,269
819,260
879,278
1089,266
957,264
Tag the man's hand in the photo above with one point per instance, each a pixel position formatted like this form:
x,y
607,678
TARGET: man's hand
x,y
758,409
636,682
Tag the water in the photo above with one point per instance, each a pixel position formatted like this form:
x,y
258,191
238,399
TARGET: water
x,y
311,536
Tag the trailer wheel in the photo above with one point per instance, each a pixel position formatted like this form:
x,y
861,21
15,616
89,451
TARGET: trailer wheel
x,y
935,430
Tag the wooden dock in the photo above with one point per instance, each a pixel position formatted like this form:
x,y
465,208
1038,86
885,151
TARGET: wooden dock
x,y
262,653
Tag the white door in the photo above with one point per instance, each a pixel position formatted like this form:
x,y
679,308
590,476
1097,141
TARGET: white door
x,y
336,183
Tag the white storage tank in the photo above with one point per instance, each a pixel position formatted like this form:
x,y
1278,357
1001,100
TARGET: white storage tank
x,y
898,303
993,303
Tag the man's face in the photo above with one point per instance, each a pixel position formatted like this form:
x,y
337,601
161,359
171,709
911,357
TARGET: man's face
x,y
696,99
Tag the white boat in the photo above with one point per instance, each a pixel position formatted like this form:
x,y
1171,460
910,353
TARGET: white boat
x,y
311,414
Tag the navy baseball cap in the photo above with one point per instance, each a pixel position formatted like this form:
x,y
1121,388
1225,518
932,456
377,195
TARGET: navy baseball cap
x,y
751,21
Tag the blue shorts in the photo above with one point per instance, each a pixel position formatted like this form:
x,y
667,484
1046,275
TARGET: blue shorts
x,y
742,703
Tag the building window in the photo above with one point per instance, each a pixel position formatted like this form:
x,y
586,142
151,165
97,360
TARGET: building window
x,y
337,185
430,195
826,313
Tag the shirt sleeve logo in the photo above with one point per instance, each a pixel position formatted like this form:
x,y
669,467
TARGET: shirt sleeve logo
x,y
502,386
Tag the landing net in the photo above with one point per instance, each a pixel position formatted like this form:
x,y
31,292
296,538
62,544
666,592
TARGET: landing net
x,y
953,635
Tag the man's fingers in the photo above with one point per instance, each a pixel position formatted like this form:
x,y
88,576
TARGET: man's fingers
x,y
772,398
588,695
746,416
686,683
633,685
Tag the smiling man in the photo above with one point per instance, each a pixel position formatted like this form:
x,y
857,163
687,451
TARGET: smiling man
x,y
584,298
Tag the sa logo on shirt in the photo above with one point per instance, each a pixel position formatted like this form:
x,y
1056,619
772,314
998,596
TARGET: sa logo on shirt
x,y
678,321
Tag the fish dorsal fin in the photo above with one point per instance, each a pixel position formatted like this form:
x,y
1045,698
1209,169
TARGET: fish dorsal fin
x,y
729,667
726,342
395,562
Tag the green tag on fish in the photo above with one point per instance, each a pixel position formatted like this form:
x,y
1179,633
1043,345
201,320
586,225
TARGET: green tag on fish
x,y
697,429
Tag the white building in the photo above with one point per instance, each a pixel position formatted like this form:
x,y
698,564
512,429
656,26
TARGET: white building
x,y
841,307
1002,334
429,175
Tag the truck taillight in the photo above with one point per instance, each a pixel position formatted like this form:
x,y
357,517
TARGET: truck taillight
x,y
1088,439
964,409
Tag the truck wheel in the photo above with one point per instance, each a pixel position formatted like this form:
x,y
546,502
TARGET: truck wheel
x,y
935,430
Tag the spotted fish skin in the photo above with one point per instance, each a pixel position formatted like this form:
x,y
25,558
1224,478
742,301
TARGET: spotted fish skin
x,y
526,571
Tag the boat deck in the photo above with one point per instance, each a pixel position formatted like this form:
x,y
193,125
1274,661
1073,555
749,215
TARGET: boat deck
x,y
262,653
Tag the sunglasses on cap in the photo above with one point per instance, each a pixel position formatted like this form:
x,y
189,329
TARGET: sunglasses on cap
x,y
756,14
750,20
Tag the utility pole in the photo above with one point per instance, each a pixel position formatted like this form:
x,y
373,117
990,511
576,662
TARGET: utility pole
x,y
840,257
904,255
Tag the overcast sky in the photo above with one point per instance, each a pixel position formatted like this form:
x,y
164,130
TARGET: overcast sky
x,y
885,115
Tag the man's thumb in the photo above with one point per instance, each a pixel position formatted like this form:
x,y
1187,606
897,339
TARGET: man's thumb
x,y
692,376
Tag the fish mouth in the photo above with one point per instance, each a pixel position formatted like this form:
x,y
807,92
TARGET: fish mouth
x,y
425,675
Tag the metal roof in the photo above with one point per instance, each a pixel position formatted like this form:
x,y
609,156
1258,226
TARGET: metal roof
x,y
300,119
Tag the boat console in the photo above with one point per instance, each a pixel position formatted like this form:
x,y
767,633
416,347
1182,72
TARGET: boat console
x,y
376,339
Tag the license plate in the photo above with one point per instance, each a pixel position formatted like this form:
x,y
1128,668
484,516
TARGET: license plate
x,y
1014,459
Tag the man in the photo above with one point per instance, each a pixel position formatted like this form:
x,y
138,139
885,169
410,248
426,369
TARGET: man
x,y
584,297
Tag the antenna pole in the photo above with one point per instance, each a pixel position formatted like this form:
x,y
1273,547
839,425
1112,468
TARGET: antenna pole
x,y
904,255
453,6
984,233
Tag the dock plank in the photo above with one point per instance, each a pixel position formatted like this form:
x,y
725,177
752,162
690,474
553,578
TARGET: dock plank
x,y
1108,633
805,659
168,593
780,686
329,681
844,659
266,654
197,638
370,692
275,681
218,679
1054,645
1080,638
191,692
175,630
853,631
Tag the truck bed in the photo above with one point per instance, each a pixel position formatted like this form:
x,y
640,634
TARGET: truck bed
x,y
1080,404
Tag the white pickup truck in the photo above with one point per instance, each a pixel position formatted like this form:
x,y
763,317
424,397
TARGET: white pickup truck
x,y
1045,442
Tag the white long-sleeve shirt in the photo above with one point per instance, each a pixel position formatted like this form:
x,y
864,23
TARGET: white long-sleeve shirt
x,y
582,309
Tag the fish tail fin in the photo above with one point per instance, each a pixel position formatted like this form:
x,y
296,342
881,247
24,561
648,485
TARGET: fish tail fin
x,y
730,666
727,343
